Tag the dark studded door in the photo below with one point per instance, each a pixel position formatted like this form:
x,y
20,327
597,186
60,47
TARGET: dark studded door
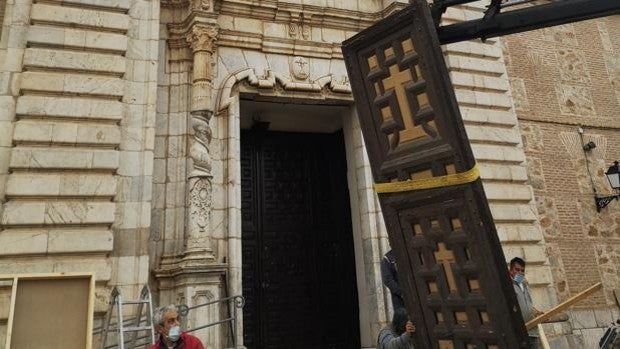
x,y
298,260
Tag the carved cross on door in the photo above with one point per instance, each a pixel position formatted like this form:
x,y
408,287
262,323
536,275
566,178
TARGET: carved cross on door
x,y
445,257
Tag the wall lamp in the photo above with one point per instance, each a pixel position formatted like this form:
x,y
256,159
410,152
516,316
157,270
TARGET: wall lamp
x,y
613,176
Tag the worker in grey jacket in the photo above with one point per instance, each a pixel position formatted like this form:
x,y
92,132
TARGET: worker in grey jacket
x,y
399,335
522,290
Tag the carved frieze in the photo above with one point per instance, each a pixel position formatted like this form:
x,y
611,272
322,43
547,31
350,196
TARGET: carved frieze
x,y
298,28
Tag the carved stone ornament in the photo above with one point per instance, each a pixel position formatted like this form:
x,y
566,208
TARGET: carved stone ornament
x,y
201,4
199,151
200,205
292,30
305,31
300,68
202,38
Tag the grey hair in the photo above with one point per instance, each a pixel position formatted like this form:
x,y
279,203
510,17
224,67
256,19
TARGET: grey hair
x,y
158,314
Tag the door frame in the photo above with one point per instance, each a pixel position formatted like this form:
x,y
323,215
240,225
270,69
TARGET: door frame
x,y
369,235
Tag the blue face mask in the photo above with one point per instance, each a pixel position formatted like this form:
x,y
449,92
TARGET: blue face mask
x,y
518,278
174,333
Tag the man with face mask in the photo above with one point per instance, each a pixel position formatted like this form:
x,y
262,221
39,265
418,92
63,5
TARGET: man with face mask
x,y
166,323
522,290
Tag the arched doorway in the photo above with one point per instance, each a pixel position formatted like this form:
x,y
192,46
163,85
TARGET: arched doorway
x,y
298,258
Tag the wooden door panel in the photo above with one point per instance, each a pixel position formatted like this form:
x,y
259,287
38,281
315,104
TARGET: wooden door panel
x,y
298,268
452,266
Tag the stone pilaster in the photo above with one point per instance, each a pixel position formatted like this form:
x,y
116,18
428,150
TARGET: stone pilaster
x,y
191,274
200,180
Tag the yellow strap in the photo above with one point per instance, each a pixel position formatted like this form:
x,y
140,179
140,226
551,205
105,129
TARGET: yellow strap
x,y
429,183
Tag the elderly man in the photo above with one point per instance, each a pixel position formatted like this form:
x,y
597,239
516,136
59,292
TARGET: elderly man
x,y
166,324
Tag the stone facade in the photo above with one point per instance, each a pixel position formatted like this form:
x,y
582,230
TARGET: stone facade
x,y
77,119
564,78
120,137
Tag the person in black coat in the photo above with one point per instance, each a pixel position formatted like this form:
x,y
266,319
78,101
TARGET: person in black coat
x,y
389,276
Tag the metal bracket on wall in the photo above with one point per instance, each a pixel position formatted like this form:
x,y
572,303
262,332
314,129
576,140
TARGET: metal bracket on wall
x,y
603,201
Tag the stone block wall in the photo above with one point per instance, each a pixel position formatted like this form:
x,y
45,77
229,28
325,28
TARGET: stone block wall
x,y
562,78
77,114
478,74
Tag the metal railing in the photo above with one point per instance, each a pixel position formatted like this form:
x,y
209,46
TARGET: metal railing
x,y
234,303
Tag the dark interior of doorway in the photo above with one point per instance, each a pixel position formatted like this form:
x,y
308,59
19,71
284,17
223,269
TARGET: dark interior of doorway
x,y
298,258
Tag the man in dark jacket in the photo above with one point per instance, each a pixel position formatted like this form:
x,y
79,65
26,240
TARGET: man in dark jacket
x,y
390,279
166,324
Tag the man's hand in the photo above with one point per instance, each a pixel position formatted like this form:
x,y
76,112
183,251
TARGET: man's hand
x,y
410,328
538,312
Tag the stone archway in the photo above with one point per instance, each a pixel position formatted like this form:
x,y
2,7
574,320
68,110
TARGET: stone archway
x,y
369,235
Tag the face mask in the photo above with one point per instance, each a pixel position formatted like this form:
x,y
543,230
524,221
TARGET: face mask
x,y
519,278
174,333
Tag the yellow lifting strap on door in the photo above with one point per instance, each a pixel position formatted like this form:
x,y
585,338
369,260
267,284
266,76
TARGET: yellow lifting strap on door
x,y
429,183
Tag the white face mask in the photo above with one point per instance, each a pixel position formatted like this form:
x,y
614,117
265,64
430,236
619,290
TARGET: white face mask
x,y
174,333
519,278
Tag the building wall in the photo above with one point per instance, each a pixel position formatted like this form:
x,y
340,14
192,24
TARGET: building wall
x,y
97,125
77,101
562,78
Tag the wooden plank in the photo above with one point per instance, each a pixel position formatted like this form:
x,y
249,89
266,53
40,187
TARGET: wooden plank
x,y
46,275
543,338
562,306
91,311
9,330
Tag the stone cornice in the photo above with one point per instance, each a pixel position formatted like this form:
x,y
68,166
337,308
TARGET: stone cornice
x,y
283,12
278,45
266,44
326,17
171,271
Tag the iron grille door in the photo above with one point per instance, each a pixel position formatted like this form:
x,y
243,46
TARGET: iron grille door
x,y
453,269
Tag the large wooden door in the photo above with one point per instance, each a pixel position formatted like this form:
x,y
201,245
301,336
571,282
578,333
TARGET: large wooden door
x,y
451,266
298,261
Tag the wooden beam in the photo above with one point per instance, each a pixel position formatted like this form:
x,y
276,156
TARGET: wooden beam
x,y
529,18
562,306
543,338
9,330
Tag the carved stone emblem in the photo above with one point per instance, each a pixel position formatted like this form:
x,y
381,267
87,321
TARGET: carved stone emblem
x,y
300,68
200,203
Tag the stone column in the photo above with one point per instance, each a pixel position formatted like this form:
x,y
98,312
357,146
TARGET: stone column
x,y
198,245
195,276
